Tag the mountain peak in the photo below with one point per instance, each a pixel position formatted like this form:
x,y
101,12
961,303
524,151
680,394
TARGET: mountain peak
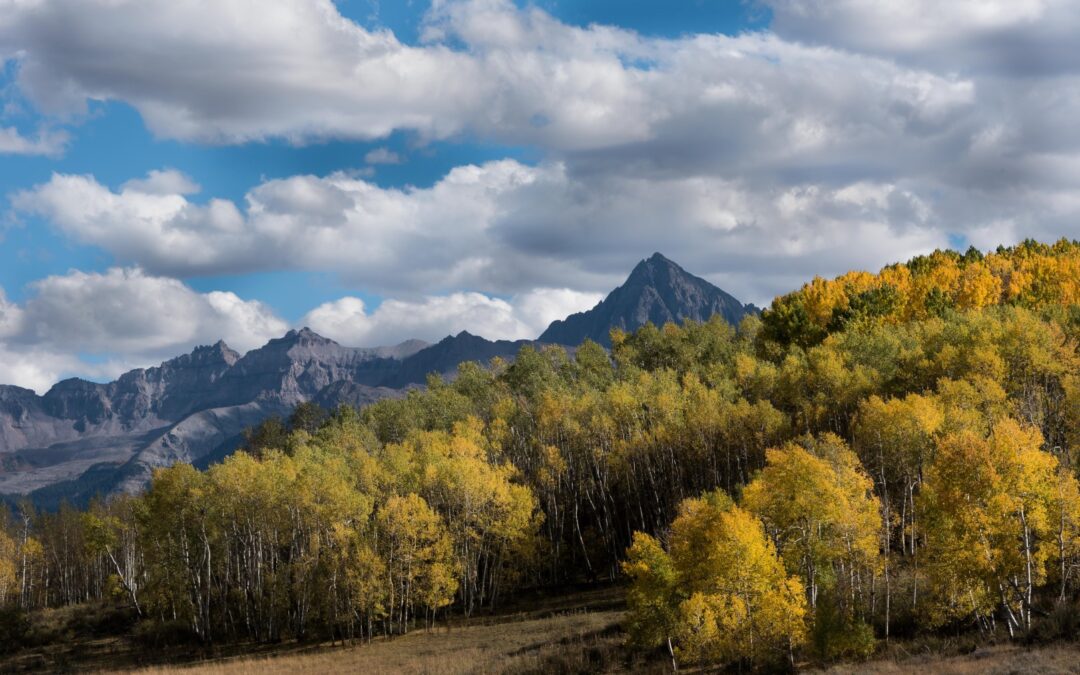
x,y
304,336
216,354
217,351
656,269
658,291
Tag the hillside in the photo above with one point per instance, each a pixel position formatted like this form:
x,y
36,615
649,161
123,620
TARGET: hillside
x,y
83,438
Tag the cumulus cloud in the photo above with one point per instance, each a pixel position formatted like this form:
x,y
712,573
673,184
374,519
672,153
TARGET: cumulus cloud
x,y
504,228
37,369
122,318
162,182
722,151
1002,37
128,311
382,156
714,149
10,316
264,70
50,143
431,318
303,72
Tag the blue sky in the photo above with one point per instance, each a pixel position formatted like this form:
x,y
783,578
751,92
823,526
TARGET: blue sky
x,y
386,170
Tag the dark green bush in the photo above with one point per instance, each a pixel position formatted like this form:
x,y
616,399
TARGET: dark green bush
x,y
835,635
14,629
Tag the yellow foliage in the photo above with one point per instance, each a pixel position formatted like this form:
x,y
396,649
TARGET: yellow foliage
x,y
990,506
742,603
819,507
8,552
721,594
1030,274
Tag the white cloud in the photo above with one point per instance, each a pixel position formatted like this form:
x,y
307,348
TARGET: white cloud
x,y
539,307
162,182
46,142
294,68
11,316
126,311
700,146
139,223
122,318
303,72
1014,37
382,156
431,318
34,368
504,227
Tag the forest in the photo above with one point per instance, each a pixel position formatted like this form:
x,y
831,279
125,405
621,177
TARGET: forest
x,y
875,457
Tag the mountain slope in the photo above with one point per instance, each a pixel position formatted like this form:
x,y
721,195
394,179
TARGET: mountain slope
x,y
82,435
657,291
82,438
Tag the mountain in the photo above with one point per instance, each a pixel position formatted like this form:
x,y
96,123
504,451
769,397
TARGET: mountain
x,y
85,438
657,291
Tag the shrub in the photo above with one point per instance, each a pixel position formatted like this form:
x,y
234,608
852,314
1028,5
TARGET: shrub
x,y
14,629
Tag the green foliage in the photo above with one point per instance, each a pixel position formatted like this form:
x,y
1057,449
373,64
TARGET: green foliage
x,y
14,628
836,635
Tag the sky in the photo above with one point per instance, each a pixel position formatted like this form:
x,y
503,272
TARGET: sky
x,y
174,173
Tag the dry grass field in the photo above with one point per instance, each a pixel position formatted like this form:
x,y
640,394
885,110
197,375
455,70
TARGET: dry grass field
x,y
577,642
588,642
569,633
1001,660
577,632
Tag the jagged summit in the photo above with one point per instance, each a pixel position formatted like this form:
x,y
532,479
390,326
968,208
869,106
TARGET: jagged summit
x,y
217,353
304,337
655,269
658,291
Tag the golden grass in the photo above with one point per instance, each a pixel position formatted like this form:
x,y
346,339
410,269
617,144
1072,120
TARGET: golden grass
x,y
565,633
999,660
582,639
585,642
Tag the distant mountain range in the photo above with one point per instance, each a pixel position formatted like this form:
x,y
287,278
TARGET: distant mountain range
x,y
84,438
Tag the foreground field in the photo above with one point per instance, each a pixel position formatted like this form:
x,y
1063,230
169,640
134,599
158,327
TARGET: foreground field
x,y
1000,660
587,643
573,632
581,642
